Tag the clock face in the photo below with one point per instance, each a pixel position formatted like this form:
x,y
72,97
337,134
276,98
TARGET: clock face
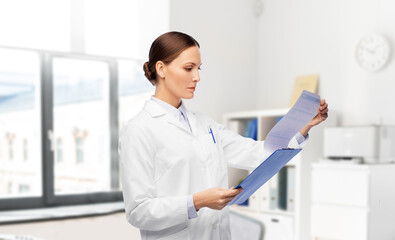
x,y
373,52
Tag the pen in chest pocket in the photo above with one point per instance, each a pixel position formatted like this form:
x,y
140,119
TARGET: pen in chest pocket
x,y
211,132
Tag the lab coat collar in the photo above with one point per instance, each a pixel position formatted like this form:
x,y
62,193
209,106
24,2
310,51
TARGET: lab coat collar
x,y
155,110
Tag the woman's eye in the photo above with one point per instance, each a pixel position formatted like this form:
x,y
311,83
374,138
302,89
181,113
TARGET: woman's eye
x,y
188,69
199,68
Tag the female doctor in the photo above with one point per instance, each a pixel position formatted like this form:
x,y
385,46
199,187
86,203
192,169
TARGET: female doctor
x,y
174,161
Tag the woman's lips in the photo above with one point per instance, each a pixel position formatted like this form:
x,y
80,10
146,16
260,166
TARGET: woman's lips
x,y
192,88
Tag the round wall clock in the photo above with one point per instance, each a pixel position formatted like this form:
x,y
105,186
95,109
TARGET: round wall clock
x,y
373,52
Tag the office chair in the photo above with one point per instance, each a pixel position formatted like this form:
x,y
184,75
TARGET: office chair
x,y
245,228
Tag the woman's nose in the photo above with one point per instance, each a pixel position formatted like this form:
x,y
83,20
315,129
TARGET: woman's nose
x,y
196,77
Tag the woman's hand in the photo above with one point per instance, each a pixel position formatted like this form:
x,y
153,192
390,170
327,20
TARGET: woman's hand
x,y
215,198
321,116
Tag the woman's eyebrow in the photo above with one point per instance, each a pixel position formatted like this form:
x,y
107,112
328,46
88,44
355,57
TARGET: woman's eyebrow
x,y
194,64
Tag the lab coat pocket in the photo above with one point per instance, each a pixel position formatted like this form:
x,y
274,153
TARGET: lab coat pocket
x,y
214,155
177,232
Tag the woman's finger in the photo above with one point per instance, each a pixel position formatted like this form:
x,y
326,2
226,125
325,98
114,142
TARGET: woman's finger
x,y
233,192
322,107
227,201
324,111
230,198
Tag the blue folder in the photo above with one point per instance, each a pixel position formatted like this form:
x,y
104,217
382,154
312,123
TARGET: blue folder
x,y
266,170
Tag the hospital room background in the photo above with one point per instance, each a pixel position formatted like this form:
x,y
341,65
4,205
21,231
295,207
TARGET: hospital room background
x,y
71,76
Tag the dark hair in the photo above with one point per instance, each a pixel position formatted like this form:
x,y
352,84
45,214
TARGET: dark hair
x,y
166,48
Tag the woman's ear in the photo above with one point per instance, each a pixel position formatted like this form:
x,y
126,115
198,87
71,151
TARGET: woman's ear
x,y
160,69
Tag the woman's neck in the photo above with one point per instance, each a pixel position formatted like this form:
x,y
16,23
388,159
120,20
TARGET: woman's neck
x,y
169,98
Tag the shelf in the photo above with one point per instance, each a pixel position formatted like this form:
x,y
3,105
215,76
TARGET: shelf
x,y
295,221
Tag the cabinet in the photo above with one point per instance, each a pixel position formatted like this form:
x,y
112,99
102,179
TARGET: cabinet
x,y
280,223
353,201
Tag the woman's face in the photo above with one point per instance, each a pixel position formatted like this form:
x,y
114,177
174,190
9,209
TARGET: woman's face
x,y
182,74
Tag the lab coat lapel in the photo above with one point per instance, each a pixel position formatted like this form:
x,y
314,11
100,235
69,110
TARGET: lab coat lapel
x,y
192,122
176,122
157,111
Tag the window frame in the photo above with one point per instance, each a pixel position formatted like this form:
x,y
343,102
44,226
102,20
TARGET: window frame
x,y
48,197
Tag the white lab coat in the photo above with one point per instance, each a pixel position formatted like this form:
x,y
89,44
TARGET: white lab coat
x,y
162,163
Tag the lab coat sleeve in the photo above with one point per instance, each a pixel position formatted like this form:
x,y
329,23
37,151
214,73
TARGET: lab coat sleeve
x,y
241,152
246,153
143,209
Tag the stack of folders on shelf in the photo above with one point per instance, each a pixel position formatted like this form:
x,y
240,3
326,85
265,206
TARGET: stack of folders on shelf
x,y
277,194
280,192
252,129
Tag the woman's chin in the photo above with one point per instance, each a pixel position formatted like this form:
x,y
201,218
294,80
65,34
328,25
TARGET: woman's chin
x,y
188,96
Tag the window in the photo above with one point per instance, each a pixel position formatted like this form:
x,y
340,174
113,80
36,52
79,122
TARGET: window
x,y
81,105
80,135
60,113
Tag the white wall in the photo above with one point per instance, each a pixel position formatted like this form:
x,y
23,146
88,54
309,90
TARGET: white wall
x,y
319,37
227,32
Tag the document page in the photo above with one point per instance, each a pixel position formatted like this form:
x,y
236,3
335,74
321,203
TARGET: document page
x,y
305,109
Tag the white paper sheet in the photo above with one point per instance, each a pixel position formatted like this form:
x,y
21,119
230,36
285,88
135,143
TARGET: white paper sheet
x,y
305,109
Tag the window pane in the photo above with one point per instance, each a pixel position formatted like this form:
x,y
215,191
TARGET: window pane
x,y
81,126
134,90
20,124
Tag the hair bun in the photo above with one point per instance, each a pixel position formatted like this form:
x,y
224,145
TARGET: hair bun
x,y
147,72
